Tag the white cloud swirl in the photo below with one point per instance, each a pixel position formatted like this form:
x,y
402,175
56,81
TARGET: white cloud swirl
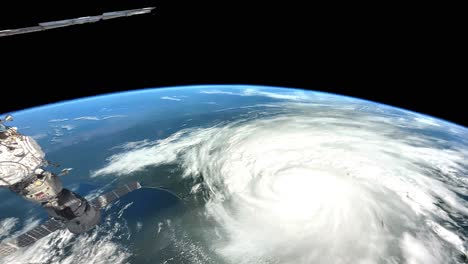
x,y
320,184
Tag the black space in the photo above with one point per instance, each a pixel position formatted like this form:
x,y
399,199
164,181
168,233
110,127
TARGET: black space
x,y
398,55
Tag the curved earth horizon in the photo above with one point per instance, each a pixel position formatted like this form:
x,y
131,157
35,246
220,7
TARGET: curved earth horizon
x,y
250,174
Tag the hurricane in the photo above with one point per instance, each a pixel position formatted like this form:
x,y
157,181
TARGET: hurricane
x,y
321,182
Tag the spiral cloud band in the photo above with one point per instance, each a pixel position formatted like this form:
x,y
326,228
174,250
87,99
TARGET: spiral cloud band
x,y
323,183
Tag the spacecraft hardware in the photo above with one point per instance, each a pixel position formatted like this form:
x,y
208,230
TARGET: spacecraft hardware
x,y
75,21
23,169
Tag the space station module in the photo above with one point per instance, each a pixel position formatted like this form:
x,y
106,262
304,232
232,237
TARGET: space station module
x,y
22,170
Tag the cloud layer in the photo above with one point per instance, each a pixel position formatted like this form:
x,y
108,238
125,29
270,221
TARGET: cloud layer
x,y
171,98
6,226
293,96
62,247
89,118
347,183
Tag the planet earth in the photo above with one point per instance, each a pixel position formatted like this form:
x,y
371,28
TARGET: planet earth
x,y
250,174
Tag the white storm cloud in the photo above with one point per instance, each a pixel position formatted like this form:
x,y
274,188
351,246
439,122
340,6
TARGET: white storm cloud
x,y
307,169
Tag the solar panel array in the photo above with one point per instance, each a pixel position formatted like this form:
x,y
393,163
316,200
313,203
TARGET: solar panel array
x,y
111,196
52,225
30,237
